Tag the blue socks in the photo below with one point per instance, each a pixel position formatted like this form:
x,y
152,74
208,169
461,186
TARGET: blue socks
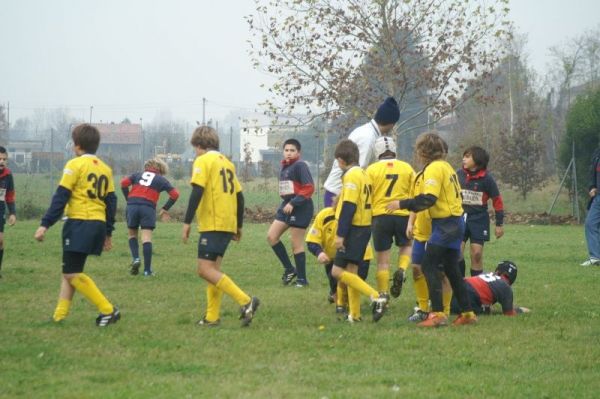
x,y
133,248
147,248
282,255
300,260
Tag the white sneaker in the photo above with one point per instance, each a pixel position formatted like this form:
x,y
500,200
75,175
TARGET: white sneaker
x,y
591,262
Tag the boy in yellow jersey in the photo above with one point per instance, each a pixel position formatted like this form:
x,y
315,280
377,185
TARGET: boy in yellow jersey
x,y
86,193
354,215
392,180
218,203
320,242
441,197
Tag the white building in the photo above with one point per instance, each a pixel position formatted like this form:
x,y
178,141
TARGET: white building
x,y
253,139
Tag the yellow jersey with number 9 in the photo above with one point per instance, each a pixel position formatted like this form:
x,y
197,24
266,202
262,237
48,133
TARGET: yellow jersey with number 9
x,y
357,189
217,210
440,180
90,180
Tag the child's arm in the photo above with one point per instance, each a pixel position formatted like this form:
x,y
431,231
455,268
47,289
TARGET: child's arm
x,y
498,205
173,196
125,183
54,212
193,203
10,201
346,215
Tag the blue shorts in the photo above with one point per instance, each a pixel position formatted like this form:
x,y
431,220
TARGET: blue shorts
x,y
477,228
418,250
84,236
139,215
447,232
389,228
213,244
300,217
355,245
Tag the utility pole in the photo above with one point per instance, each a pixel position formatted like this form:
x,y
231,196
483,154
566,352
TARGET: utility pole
x,y
91,109
203,111
231,143
142,152
51,160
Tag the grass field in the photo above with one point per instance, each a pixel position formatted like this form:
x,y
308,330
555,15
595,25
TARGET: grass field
x,y
295,347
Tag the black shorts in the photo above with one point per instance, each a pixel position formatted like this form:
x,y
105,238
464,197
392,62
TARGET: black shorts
x,y
355,245
477,228
73,262
389,228
139,215
84,236
213,244
300,217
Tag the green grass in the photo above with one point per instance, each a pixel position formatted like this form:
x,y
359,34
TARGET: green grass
x,y
157,351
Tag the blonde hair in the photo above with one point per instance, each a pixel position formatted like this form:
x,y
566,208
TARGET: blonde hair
x,y
205,137
430,147
157,164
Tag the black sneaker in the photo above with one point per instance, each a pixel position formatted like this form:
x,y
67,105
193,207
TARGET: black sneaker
x,y
288,277
205,323
418,316
378,308
247,311
397,282
104,320
135,267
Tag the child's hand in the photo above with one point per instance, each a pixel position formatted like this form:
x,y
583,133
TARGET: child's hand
x,y
499,231
185,233
164,215
237,236
323,258
108,243
393,206
288,208
409,231
338,242
12,219
39,233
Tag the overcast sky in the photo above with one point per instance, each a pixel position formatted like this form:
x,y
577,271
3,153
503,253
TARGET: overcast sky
x,y
138,58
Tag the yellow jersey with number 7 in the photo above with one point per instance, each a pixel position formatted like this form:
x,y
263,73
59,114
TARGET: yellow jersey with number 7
x,y
90,180
217,210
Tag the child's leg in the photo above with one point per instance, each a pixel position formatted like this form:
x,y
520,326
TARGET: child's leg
x,y
450,263
133,243
462,266
383,270
332,281
363,269
404,258
86,287
1,248
476,259
297,236
446,295
147,248
274,234
352,280
353,296
209,271
434,256
421,290
65,297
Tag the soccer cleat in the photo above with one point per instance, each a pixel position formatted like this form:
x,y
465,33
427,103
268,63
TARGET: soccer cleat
x,y
301,283
418,316
378,308
463,320
104,320
288,276
340,310
135,267
397,281
247,311
205,323
351,319
591,262
331,298
385,296
434,320
149,273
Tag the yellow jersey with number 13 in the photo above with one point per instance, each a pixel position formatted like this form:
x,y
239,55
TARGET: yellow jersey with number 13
x,y
217,210
357,189
90,180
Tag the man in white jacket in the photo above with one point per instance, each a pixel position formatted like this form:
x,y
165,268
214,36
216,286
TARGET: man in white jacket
x,y
364,136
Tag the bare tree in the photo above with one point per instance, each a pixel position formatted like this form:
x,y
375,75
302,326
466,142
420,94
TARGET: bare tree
x,y
343,57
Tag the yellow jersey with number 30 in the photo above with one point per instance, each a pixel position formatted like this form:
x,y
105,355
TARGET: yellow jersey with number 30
x,y
90,180
392,180
440,180
422,225
217,210
322,232
357,189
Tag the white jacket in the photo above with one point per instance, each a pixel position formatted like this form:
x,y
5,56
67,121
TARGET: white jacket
x,y
364,136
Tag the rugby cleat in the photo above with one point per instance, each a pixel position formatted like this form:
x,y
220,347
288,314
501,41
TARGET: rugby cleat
x,y
464,320
591,262
397,281
434,320
288,276
351,319
104,320
149,273
205,323
378,307
418,316
135,267
247,311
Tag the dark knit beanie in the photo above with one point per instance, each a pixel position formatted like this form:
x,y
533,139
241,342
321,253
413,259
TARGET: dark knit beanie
x,y
388,112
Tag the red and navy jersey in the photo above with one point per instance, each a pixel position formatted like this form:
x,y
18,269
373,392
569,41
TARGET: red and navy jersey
x,y
7,191
146,188
295,182
478,188
492,288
